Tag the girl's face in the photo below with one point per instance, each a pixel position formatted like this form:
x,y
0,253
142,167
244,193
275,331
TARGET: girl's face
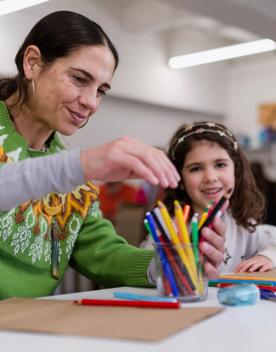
x,y
208,172
70,90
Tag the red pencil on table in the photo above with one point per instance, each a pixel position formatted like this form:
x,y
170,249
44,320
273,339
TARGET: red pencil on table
x,y
123,303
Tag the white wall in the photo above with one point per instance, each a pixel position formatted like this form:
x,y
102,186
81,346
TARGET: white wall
x,y
250,84
148,100
143,73
118,117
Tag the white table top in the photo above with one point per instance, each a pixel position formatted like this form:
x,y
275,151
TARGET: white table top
x,y
248,328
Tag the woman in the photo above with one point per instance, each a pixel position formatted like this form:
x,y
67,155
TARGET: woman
x,y
65,67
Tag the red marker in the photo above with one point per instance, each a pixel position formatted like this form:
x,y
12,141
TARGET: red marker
x,y
123,303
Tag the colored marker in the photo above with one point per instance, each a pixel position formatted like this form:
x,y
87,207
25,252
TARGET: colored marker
x,y
137,297
166,267
121,303
216,209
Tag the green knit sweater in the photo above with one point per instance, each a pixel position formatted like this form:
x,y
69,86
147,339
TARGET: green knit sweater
x,y
86,240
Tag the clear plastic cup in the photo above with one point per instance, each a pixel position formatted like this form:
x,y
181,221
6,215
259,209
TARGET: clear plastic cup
x,y
180,272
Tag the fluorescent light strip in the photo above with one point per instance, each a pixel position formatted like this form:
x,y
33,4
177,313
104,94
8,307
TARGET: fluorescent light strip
x,y
224,53
8,6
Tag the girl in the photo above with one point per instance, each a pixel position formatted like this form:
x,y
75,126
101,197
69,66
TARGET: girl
x,y
210,162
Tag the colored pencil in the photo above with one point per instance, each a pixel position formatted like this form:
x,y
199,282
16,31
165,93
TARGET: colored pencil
x,y
165,265
221,284
195,237
160,224
138,297
205,214
184,235
216,209
123,303
175,240
173,257
179,269
268,295
186,212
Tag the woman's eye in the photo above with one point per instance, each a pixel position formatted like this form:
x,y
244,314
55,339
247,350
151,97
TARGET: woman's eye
x,y
78,79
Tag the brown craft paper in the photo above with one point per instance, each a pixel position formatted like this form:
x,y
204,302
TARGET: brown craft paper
x,y
66,317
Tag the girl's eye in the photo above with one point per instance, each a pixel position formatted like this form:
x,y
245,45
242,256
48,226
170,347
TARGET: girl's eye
x,y
101,92
220,165
195,169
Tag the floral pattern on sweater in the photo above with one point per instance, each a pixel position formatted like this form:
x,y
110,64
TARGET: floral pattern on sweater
x,y
26,229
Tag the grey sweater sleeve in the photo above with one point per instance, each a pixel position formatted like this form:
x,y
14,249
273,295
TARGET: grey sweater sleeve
x,y
33,178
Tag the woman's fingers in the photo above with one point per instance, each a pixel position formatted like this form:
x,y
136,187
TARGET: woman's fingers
x,y
153,159
129,158
160,165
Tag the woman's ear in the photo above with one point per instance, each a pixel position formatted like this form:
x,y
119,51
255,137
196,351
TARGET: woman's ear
x,y
32,62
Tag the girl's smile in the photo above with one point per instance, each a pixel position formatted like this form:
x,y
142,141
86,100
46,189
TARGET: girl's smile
x,y
208,173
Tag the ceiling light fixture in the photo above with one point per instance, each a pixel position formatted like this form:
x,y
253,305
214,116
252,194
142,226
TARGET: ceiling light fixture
x,y
8,6
223,53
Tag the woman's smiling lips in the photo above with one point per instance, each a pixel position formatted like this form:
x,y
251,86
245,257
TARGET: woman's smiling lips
x,y
78,118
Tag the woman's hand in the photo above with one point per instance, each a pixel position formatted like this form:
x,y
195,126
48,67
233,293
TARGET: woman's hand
x,y
257,263
128,158
212,247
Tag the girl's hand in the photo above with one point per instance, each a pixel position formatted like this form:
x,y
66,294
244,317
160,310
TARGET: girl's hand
x,y
257,263
212,247
128,158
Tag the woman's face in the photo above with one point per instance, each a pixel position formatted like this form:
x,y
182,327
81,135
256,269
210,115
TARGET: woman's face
x,y
70,90
208,173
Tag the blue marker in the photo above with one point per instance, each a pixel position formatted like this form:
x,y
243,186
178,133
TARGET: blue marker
x,y
166,267
267,294
137,297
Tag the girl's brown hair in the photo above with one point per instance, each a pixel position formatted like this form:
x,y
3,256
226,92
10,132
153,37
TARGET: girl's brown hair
x,y
247,203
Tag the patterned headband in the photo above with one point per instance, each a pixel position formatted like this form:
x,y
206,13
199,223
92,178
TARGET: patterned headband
x,y
204,127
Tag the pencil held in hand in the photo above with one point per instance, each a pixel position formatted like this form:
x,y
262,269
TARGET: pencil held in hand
x,y
216,209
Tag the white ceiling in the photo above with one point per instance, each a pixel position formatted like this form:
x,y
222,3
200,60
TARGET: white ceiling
x,y
192,25
267,7
181,26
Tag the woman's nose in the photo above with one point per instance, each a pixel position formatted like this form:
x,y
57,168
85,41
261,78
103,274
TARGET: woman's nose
x,y
90,101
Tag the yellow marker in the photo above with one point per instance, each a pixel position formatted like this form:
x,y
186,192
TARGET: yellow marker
x,y
184,235
183,232
205,214
176,241
202,219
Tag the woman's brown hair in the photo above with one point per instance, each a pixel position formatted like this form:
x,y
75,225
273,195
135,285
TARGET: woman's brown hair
x,y
56,35
247,203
